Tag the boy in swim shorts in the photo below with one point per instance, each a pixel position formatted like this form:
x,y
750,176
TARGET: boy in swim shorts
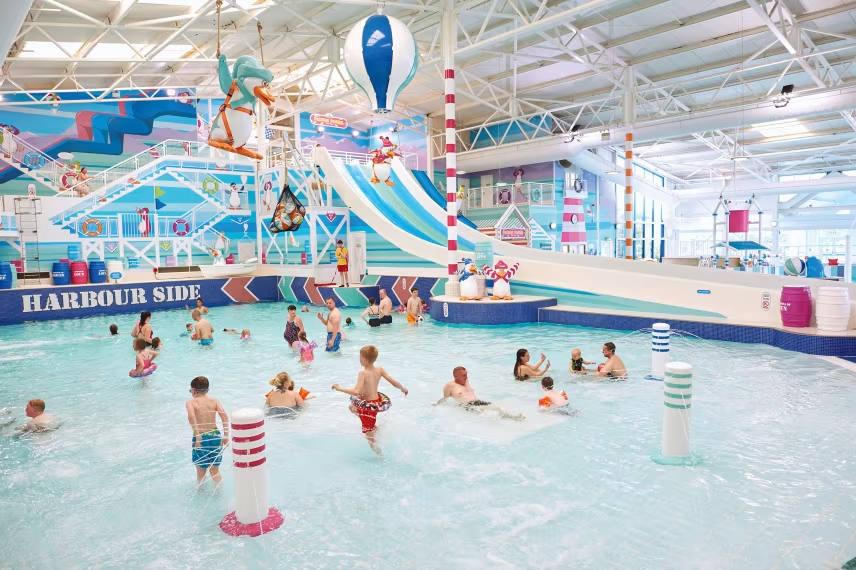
x,y
366,401
204,332
414,306
207,444
342,262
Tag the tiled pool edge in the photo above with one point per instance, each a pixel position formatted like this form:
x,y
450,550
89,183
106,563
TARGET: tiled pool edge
x,y
842,347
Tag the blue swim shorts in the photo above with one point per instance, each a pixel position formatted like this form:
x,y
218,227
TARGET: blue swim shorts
x,y
210,453
206,341
335,346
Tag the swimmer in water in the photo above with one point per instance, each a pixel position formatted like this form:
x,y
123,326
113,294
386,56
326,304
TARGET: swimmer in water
x,y
385,308
613,367
575,366
144,365
414,307
157,344
293,326
39,420
199,307
349,322
525,371
203,332
114,330
304,309
245,334
207,444
188,330
366,401
143,329
283,401
333,322
460,390
305,347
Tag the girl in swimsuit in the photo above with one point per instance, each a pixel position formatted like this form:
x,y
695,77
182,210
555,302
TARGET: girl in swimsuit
x,y
143,329
293,326
145,366
283,401
523,370
305,348
373,311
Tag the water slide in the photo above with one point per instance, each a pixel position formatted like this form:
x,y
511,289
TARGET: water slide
x,y
407,217
437,197
104,133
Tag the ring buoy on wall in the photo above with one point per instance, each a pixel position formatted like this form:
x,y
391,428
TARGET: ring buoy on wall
x,y
92,227
504,196
68,180
34,160
210,185
180,227
535,195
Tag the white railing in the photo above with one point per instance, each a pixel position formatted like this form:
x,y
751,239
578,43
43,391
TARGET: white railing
x,y
205,181
16,149
498,196
695,247
411,161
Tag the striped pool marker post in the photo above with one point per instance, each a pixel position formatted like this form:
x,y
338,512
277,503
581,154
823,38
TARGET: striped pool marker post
x,y
660,334
677,394
253,516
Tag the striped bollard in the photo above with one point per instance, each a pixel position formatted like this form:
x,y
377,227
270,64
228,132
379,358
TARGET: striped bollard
x,y
677,395
253,515
660,334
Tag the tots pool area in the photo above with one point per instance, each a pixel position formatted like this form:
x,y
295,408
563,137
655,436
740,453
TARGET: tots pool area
x,y
114,486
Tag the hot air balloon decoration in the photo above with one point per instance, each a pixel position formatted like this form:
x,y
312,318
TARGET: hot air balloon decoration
x,y
381,57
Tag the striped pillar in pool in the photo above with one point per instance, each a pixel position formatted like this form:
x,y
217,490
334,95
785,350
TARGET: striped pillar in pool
x,y
677,395
660,334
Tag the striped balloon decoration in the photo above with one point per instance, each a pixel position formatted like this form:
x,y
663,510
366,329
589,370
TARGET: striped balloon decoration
x,y
381,58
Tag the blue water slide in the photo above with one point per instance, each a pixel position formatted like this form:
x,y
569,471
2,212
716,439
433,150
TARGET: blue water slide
x,y
108,130
428,228
437,196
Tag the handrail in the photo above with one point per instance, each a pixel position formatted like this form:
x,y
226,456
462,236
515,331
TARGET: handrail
x,y
410,161
502,195
55,166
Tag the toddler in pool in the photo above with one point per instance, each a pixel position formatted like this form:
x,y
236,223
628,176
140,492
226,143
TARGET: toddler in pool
x,y
144,366
577,362
305,347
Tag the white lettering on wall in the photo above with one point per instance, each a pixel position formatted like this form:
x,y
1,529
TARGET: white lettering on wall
x,y
32,303
66,300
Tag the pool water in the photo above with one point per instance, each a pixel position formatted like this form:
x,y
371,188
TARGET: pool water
x,y
114,485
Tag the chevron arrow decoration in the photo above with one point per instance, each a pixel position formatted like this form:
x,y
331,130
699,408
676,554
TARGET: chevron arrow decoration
x,y
331,216
237,289
159,192
166,245
159,204
111,246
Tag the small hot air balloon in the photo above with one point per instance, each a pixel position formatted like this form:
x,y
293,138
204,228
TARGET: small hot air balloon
x,y
381,57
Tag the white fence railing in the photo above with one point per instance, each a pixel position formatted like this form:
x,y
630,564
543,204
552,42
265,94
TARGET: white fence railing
x,y
497,196
16,149
411,161
8,223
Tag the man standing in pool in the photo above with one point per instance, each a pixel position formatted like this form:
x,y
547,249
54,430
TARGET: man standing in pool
x,y
204,332
460,390
385,308
333,323
366,401
613,367
207,444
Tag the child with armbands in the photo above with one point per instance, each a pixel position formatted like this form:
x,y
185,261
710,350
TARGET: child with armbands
x,y
145,366
554,401
305,348
188,330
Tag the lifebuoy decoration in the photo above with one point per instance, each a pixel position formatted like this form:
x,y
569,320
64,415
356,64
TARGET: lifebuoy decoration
x,y
535,195
92,227
180,228
504,196
210,185
68,180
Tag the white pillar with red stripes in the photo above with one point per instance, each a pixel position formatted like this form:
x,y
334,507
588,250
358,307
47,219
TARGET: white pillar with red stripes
x,y
450,44
573,224
253,516
629,112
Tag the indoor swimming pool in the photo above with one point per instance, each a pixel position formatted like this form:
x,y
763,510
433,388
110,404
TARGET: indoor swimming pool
x,y
113,486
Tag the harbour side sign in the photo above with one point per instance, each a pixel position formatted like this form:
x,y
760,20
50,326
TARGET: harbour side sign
x,y
102,297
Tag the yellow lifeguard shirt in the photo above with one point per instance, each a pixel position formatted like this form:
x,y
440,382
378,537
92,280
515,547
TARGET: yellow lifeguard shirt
x,y
342,255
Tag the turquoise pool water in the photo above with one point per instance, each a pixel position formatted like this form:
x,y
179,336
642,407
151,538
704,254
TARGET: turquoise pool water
x,y
114,486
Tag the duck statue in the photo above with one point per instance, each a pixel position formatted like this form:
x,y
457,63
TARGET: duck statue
x,y
501,275
233,125
469,286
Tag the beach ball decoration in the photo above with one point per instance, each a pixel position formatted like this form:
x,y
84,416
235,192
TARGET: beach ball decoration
x,y
381,58
794,266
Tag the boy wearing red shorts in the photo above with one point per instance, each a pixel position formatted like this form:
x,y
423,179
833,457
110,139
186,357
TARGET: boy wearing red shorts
x,y
366,401
342,262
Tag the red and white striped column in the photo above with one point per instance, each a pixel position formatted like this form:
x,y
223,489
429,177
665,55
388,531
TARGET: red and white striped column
x,y
628,195
449,46
253,516
573,224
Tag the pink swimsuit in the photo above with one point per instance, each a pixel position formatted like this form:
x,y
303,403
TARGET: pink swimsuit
x,y
306,350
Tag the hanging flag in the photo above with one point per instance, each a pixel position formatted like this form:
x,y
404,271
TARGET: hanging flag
x,y
159,204
268,132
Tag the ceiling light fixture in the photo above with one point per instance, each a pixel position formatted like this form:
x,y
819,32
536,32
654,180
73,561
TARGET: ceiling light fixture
x,y
784,97
611,171
170,92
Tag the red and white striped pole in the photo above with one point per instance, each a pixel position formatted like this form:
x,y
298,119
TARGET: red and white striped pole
x,y
253,516
449,46
629,112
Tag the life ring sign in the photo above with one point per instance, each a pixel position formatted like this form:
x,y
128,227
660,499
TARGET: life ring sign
x,y
504,196
210,185
535,195
92,227
180,227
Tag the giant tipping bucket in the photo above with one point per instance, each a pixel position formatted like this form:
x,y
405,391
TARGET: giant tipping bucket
x,y
833,309
795,306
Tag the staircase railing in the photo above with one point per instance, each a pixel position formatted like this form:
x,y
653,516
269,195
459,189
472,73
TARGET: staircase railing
x,y
410,161
16,149
204,182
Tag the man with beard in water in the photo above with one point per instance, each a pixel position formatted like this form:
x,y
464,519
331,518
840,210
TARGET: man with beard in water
x,y
460,390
